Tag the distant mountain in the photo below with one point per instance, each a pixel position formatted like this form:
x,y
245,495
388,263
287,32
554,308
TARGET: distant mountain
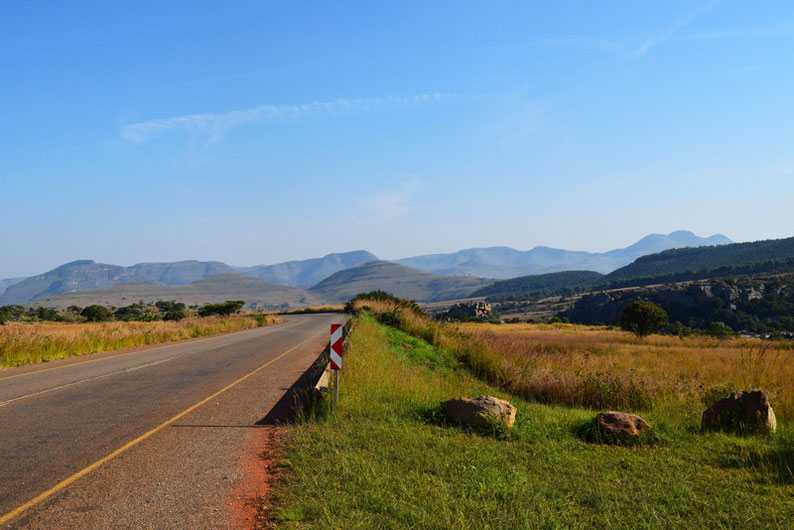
x,y
396,279
757,257
308,272
86,274
505,262
8,282
258,294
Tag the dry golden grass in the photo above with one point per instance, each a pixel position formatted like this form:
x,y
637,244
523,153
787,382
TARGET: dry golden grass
x,y
26,343
596,367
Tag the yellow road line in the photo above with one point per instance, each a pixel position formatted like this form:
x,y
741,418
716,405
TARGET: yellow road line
x,y
10,515
167,345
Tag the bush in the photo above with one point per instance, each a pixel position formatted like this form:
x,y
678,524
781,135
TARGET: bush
x,y
383,296
225,309
96,313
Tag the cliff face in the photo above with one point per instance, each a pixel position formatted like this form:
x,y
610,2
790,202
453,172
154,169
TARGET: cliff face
x,y
757,305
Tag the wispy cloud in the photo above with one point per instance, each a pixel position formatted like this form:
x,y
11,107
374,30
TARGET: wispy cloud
x,y
627,46
667,33
390,204
216,125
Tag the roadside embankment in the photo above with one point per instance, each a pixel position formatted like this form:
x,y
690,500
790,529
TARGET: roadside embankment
x,y
388,457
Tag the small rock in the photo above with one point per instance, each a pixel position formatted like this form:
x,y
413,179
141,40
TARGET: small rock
x,y
619,426
741,412
480,412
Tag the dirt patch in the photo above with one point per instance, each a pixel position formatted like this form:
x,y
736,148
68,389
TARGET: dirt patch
x,y
250,507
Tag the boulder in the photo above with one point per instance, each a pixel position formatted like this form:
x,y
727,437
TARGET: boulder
x,y
619,426
481,412
742,412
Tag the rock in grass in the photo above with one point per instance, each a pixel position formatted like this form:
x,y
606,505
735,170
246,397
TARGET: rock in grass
x,y
618,427
481,412
742,412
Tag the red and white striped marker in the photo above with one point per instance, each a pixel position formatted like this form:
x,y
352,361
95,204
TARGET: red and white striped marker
x,y
336,346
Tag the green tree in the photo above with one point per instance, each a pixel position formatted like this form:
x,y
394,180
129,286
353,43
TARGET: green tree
x,y
643,318
720,330
225,309
172,310
45,313
10,313
96,313
129,312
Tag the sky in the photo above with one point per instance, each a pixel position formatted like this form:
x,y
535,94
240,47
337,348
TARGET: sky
x,y
259,132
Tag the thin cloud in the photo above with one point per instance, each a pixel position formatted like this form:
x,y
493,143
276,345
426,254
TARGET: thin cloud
x,y
626,45
216,125
669,32
391,204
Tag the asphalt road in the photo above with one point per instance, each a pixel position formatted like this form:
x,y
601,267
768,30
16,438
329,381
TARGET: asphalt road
x,y
76,441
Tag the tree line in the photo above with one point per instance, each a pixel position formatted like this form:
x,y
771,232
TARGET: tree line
x,y
140,312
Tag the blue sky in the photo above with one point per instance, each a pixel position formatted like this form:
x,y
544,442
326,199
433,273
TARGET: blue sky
x,y
257,132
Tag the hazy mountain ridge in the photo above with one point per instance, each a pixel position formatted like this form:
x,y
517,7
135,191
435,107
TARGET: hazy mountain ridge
x,y
506,262
305,273
398,280
88,275
258,294
8,282
493,262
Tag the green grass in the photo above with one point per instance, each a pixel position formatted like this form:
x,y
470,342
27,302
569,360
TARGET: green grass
x,y
387,460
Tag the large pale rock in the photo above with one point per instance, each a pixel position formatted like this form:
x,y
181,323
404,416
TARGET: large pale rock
x,y
619,426
480,412
741,412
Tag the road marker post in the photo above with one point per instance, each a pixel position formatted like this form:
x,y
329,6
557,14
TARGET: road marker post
x,y
337,336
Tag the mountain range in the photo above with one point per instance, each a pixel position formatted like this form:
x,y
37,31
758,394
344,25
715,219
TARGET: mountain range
x,y
422,277
505,262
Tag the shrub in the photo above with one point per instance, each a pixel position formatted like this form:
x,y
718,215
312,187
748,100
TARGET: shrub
x,y
225,309
96,313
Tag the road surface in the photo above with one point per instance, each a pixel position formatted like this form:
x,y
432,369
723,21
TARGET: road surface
x,y
146,438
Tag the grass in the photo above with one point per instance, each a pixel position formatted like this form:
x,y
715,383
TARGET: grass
x,y
386,459
27,343
594,366
598,367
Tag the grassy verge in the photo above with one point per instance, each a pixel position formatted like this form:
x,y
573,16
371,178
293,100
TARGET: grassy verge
x,y
387,460
22,343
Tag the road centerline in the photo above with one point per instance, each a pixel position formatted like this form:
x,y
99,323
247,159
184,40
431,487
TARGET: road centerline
x,y
88,469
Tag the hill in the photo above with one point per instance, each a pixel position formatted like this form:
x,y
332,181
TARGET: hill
x,y
87,274
751,304
258,294
774,255
505,262
539,285
306,273
8,282
396,279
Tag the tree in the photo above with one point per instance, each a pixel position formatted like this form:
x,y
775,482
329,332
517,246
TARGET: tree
x,y
643,318
10,312
225,309
172,310
720,330
129,312
96,313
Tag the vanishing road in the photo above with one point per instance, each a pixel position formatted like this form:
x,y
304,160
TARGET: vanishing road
x,y
147,438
